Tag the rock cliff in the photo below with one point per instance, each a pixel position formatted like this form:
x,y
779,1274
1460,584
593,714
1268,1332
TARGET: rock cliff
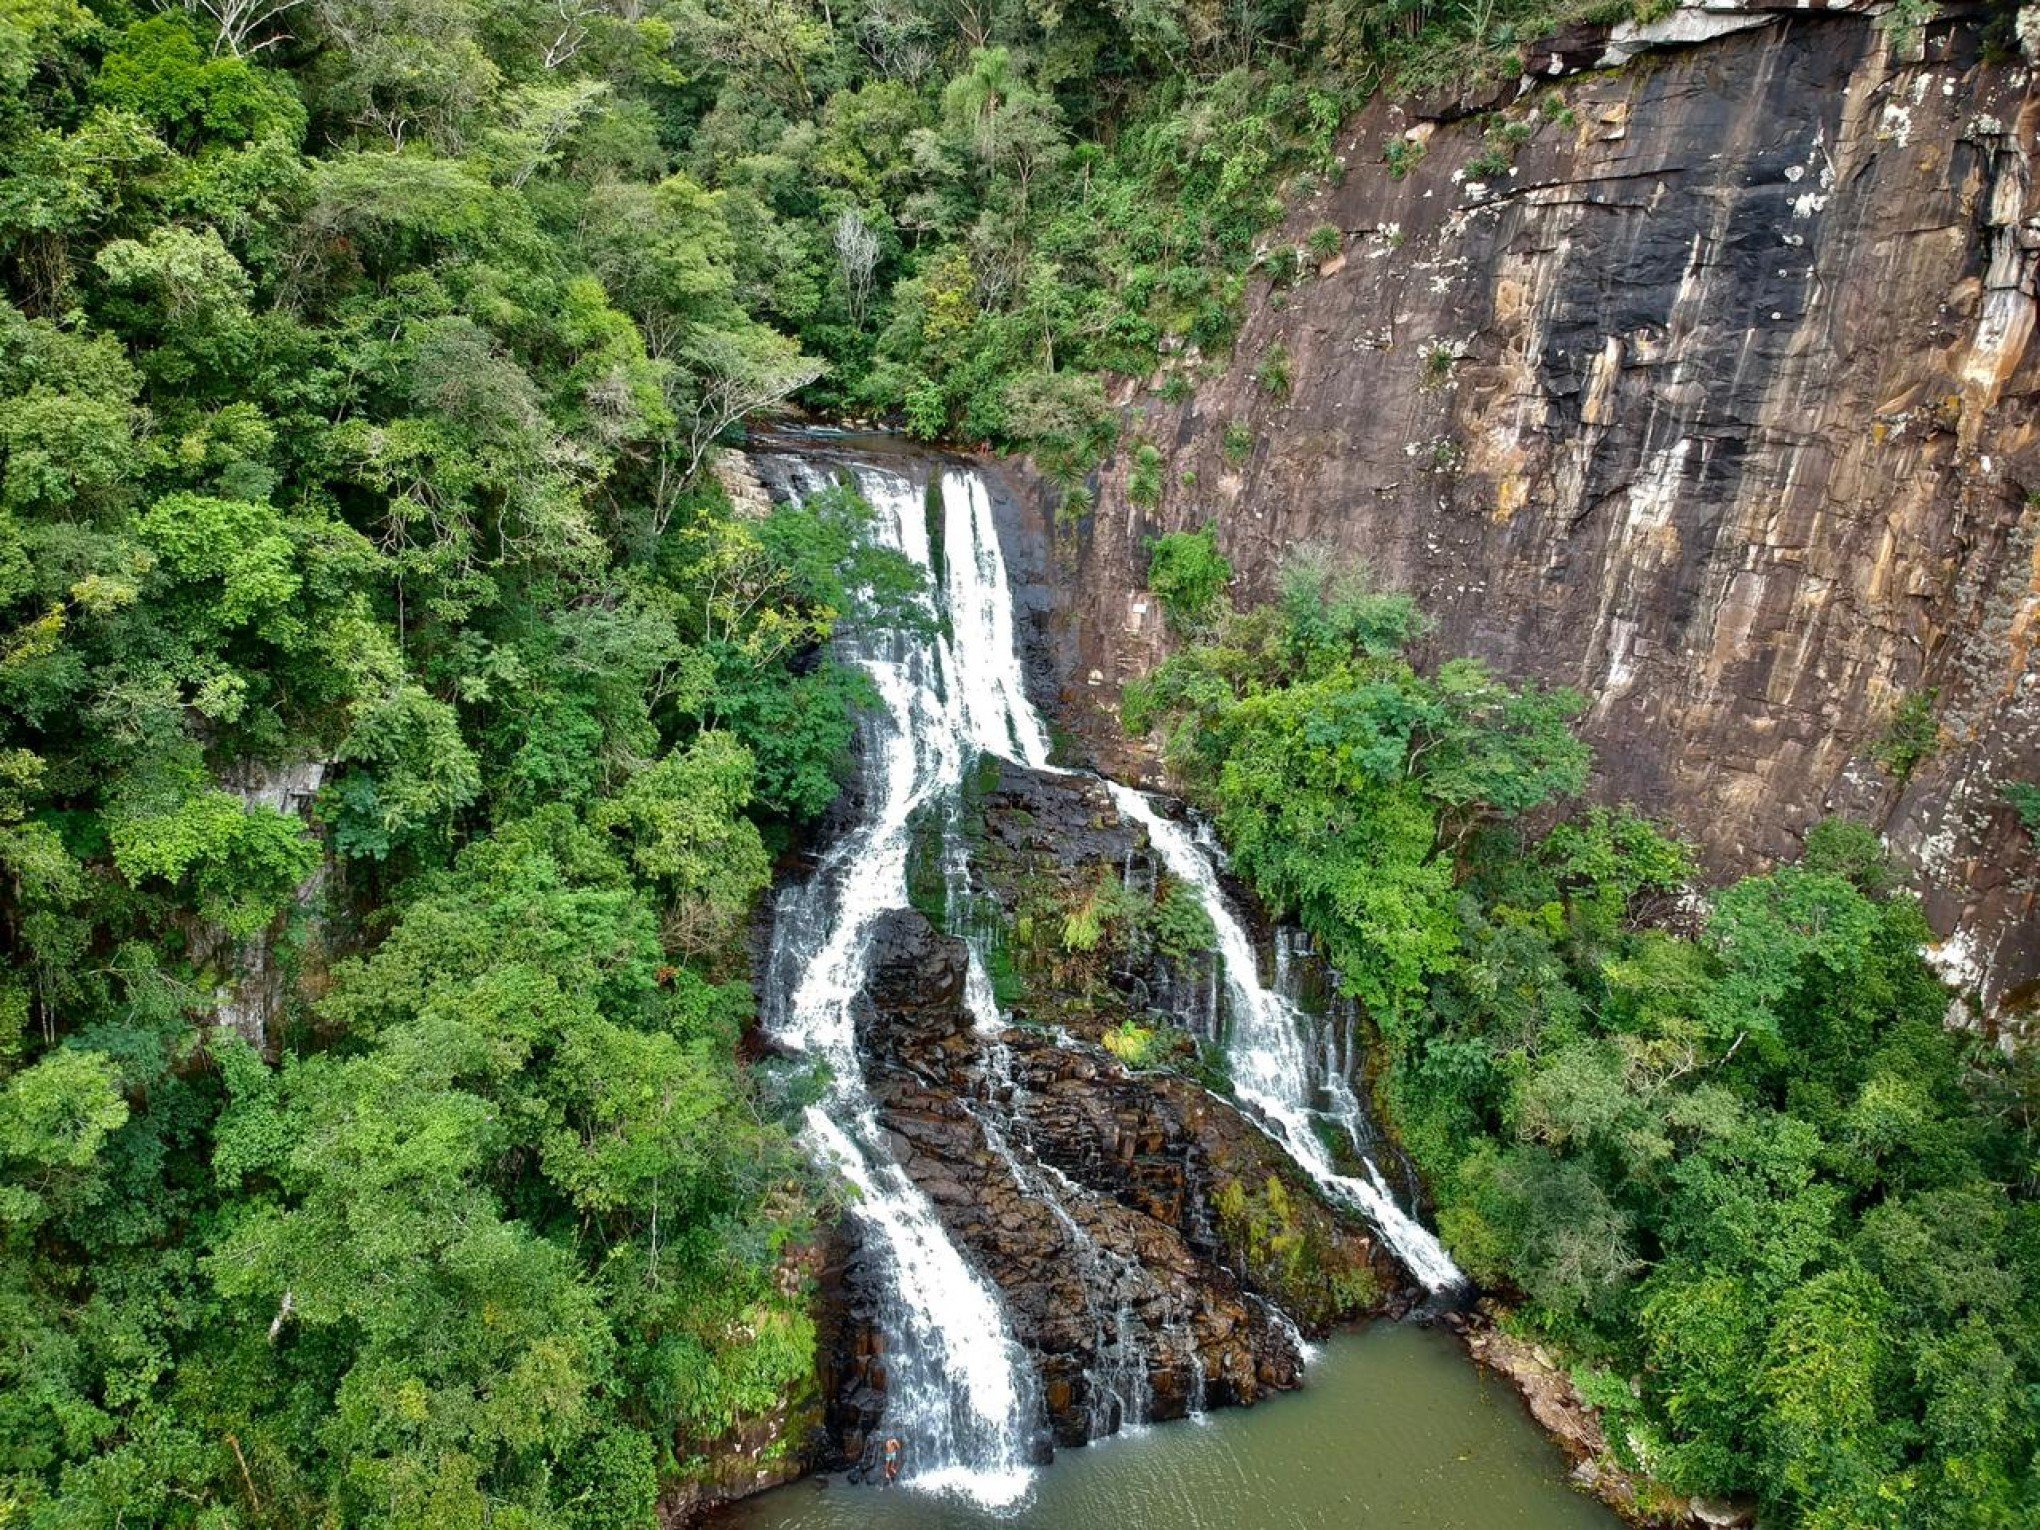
x,y
1703,385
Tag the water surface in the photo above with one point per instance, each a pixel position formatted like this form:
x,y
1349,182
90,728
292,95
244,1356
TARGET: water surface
x,y
1394,1428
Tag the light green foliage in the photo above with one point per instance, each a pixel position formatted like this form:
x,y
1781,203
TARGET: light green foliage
x,y
1339,773
416,773
358,368
1401,156
1747,1168
519,1012
682,819
1106,905
1843,848
1273,374
1139,1046
240,864
1281,1238
1189,575
1144,476
59,1112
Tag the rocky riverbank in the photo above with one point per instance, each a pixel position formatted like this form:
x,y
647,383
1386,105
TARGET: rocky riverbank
x,y
1546,1387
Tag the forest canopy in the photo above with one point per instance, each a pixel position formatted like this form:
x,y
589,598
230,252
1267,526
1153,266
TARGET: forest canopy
x,y
1724,1154
398,722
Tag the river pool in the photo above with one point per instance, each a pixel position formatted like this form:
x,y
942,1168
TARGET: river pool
x,y
1395,1427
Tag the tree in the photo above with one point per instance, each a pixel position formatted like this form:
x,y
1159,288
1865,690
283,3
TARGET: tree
x,y
1188,574
725,376
244,27
856,260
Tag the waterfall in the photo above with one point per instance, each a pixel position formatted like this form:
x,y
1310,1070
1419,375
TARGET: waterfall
x,y
959,1391
1269,1055
1002,721
958,1388
979,603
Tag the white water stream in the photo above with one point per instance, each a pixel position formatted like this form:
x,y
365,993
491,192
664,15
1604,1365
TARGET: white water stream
x,y
957,1385
1269,1056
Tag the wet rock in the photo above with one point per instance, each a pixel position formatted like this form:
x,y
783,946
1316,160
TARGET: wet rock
x,y
1548,1392
1088,1194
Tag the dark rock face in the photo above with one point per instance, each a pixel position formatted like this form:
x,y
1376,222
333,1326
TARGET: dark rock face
x,y
1080,1254
1091,1195
1717,404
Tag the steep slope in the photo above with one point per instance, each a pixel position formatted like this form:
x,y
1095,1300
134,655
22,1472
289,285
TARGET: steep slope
x,y
1702,385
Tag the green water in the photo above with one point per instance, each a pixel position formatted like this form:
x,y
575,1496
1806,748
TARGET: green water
x,y
1396,1427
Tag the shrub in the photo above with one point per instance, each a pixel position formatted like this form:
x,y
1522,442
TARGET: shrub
x,y
1273,372
1074,506
927,411
1487,165
1139,1046
1188,573
1910,737
1144,478
1401,156
1180,924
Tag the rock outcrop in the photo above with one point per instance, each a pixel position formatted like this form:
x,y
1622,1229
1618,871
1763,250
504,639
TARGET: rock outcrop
x,y
1704,386
1122,1213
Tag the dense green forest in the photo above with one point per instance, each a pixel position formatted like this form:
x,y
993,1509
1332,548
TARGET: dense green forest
x,y
361,363
1735,1166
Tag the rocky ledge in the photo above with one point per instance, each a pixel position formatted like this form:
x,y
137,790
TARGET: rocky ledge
x,y
1146,1238
1547,1390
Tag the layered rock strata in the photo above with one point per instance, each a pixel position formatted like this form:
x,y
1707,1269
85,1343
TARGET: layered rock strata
x,y
1704,386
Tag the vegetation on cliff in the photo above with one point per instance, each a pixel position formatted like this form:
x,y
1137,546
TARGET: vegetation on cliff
x,y
359,367
1727,1153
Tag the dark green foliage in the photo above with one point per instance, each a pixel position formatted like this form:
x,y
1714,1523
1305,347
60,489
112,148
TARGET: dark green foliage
x,y
2024,796
365,612
1491,162
1783,1221
1911,735
1342,777
1273,372
1144,476
1401,156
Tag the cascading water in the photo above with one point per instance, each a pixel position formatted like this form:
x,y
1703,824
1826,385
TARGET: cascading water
x,y
1270,1057
958,1387
1003,721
